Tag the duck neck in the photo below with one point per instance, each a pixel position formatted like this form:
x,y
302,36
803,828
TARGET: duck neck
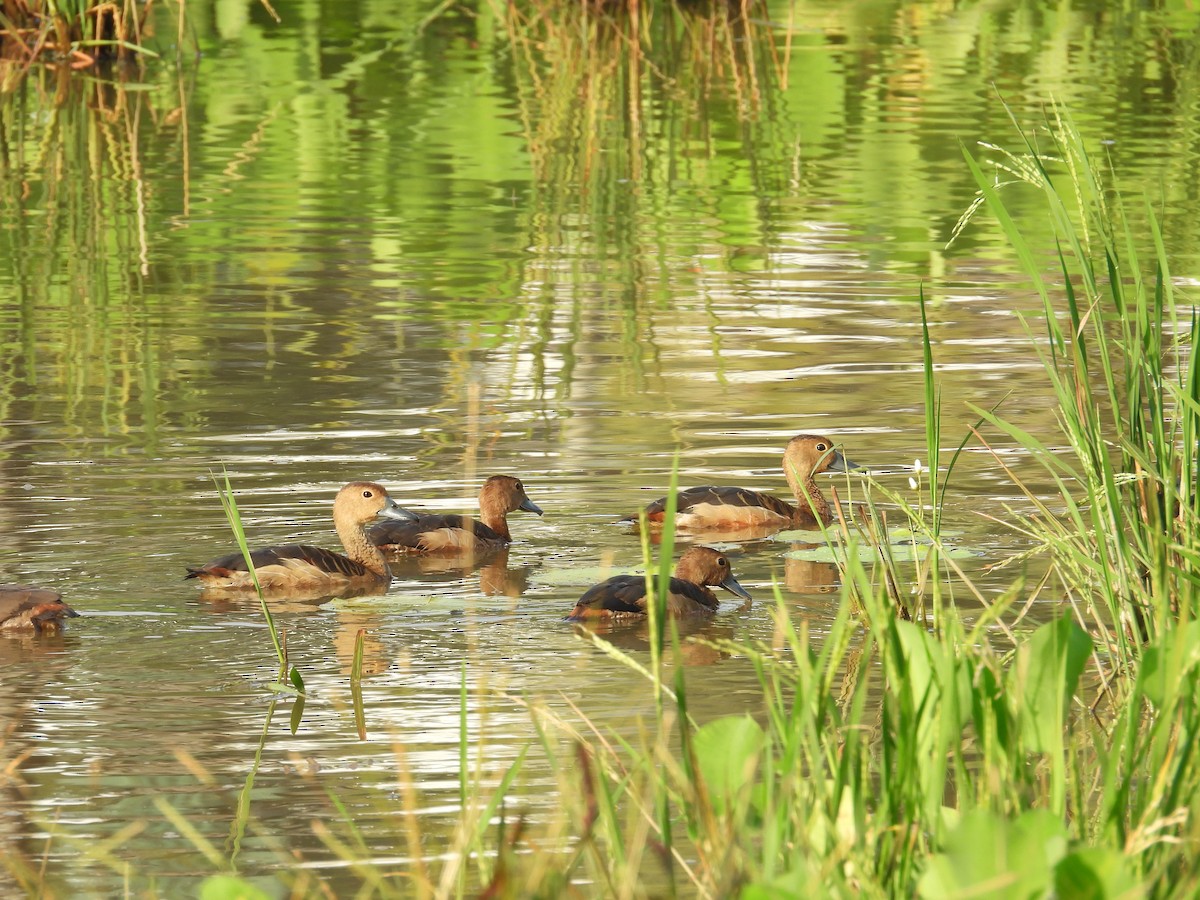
x,y
685,570
494,518
809,498
359,549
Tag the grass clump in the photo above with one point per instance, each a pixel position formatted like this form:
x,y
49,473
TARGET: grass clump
x,y
1121,359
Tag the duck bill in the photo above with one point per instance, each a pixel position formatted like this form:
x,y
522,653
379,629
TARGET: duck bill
x,y
839,463
731,584
582,613
393,510
529,506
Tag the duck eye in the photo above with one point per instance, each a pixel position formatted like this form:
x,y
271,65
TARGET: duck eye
x,y
520,487
821,448
368,494
722,561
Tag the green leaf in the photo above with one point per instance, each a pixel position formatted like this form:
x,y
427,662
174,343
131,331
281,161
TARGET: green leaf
x,y
1167,662
1095,873
297,714
866,553
988,857
789,886
728,751
230,887
1044,679
582,576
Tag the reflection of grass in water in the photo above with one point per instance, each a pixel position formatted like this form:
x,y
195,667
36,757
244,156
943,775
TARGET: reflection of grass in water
x,y
76,210
624,112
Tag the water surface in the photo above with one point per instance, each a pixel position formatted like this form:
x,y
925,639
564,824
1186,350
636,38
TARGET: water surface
x,y
343,248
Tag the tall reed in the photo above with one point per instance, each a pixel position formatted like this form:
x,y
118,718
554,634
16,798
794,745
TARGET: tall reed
x,y
1120,356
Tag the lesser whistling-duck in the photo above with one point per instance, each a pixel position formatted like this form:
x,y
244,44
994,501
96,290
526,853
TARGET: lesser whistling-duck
x,y
305,568
501,494
624,596
27,608
715,508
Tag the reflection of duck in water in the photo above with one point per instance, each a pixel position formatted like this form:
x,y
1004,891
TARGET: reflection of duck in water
x,y
35,660
501,494
295,570
633,633
807,576
747,534
27,608
624,596
495,574
713,508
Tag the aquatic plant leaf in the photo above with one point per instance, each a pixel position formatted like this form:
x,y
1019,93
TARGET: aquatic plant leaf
x,y
727,750
987,856
799,535
994,718
899,552
1167,662
790,886
582,576
297,715
1044,678
1095,872
230,887
897,534
927,677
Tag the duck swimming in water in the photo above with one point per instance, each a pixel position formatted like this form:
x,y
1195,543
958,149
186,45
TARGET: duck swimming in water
x,y
27,608
624,596
712,508
501,494
304,568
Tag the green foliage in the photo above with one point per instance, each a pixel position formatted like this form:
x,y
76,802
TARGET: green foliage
x,y
230,887
987,856
1122,363
1046,675
728,751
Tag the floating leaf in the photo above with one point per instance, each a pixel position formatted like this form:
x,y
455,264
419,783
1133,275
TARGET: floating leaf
x,y
800,535
582,576
897,534
898,552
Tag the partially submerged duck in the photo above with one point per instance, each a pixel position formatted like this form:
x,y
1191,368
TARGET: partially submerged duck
x,y
501,494
624,596
711,508
27,608
301,567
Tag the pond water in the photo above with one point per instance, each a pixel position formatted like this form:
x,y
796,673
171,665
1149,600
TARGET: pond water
x,y
364,244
